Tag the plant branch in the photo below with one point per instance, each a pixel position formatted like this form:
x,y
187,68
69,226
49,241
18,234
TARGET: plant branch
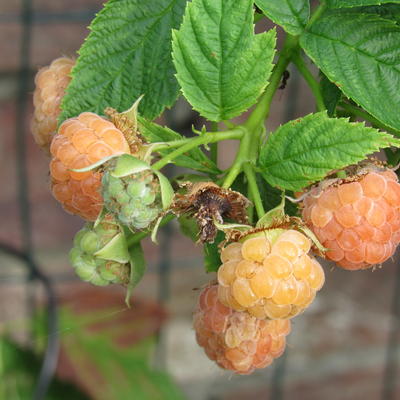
x,y
214,146
241,157
261,111
310,79
353,110
189,144
255,193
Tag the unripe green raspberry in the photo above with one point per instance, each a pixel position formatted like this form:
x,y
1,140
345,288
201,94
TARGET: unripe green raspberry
x,y
135,200
93,267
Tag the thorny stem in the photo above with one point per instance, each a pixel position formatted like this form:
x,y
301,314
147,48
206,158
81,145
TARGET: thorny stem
x,y
255,193
310,79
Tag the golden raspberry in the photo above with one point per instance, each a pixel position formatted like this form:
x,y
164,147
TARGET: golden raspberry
x,y
270,276
50,83
236,340
358,219
79,143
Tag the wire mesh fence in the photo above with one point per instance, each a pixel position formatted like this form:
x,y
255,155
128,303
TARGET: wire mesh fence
x,y
28,18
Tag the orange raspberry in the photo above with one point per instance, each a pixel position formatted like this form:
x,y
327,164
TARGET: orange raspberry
x,y
270,276
236,340
79,143
50,82
356,219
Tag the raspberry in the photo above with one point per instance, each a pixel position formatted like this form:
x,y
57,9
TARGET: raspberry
x,y
90,267
270,276
134,199
236,340
50,82
79,143
357,219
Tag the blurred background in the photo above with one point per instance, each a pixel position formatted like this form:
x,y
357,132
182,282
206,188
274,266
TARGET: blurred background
x,y
345,346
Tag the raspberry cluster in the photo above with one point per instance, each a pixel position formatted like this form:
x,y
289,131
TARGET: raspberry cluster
x,y
81,142
357,220
270,276
236,340
50,84
134,199
88,264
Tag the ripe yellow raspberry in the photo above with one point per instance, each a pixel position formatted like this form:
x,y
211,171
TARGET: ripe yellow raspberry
x,y
357,219
50,82
270,276
236,340
79,143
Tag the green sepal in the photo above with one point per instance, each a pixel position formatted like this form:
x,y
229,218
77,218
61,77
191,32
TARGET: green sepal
x,y
167,193
95,165
132,112
128,165
274,216
116,250
230,226
154,231
100,217
310,234
138,266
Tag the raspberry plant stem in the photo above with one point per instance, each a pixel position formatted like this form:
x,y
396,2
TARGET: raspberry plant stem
x,y
357,112
209,137
261,111
214,146
242,156
254,192
310,79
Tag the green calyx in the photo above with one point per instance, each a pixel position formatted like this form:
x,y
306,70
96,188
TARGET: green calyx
x,y
100,253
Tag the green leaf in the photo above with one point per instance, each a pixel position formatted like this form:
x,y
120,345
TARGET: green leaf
x,y
271,197
212,259
189,227
193,159
361,55
222,66
127,54
387,11
306,150
331,94
292,15
110,348
356,3
19,369
138,266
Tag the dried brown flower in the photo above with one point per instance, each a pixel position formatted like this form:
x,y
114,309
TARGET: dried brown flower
x,y
209,203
